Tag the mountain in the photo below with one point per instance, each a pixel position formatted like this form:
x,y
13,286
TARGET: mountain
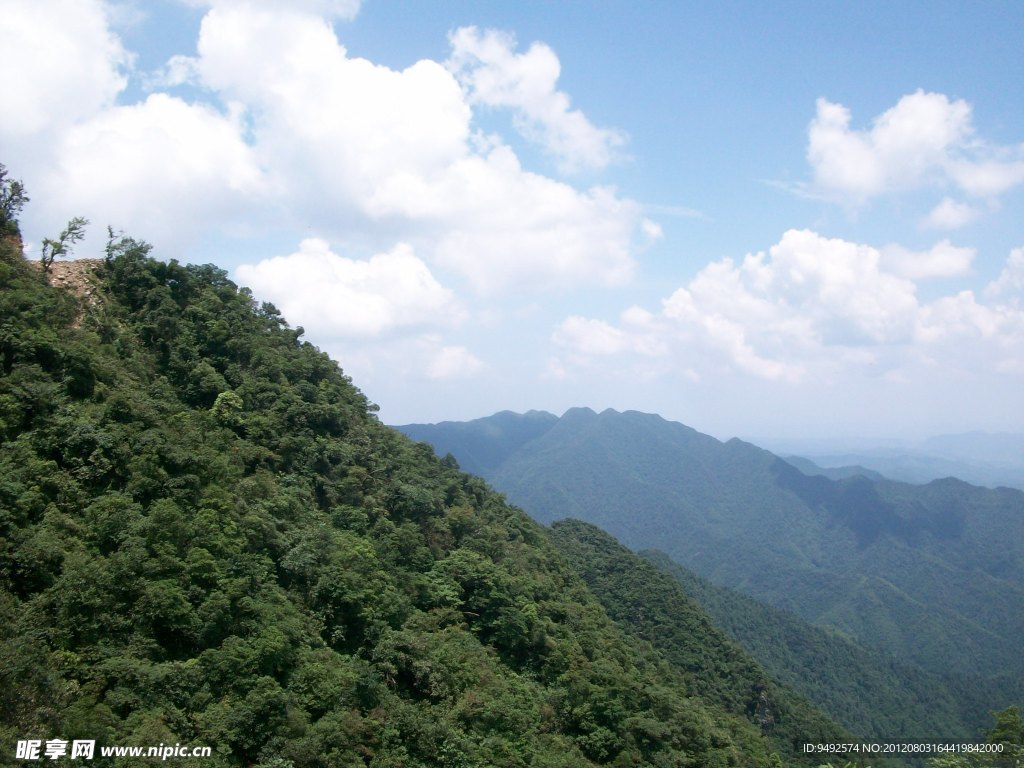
x,y
870,693
208,538
808,467
932,575
919,467
980,458
483,445
652,604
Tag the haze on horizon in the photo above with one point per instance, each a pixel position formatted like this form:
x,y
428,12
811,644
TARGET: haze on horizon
x,y
798,222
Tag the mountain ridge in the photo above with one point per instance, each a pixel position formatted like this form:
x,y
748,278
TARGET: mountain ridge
x,y
981,458
933,574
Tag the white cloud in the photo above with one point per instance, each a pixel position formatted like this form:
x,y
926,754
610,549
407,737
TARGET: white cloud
x,y
925,140
341,9
989,178
507,227
292,131
814,305
453,363
413,360
62,62
942,260
590,337
602,349
1008,288
950,214
835,285
336,297
351,123
652,230
494,75
164,170
961,317
179,70
345,138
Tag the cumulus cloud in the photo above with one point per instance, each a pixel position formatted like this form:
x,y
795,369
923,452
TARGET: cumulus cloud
x,y
950,214
962,318
814,304
453,363
1008,288
292,130
163,169
988,178
925,140
494,75
396,148
942,260
337,297
340,9
331,127
517,228
590,337
179,70
418,358
770,313
62,62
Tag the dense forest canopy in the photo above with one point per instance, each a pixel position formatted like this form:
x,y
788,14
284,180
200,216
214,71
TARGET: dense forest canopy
x,y
207,537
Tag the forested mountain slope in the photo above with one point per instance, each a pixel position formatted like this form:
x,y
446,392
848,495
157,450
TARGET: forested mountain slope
x,y
483,445
207,537
653,605
871,693
932,575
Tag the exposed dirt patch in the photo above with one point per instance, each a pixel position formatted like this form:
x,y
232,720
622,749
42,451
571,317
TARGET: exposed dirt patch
x,y
78,277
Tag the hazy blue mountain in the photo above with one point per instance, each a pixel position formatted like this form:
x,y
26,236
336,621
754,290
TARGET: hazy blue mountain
x,y
981,458
917,467
808,467
931,574
483,444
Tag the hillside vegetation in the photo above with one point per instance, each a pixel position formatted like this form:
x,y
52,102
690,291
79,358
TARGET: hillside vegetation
x,y
872,694
654,606
207,537
931,576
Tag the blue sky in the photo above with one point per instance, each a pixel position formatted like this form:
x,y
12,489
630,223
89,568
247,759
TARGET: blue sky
x,y
791,220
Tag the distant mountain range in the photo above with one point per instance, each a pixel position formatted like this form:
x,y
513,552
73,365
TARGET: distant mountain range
x,y
843,472
931,575
981,458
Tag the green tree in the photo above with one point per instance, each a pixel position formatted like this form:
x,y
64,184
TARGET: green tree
x,y
12,200
71,234
1007,733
